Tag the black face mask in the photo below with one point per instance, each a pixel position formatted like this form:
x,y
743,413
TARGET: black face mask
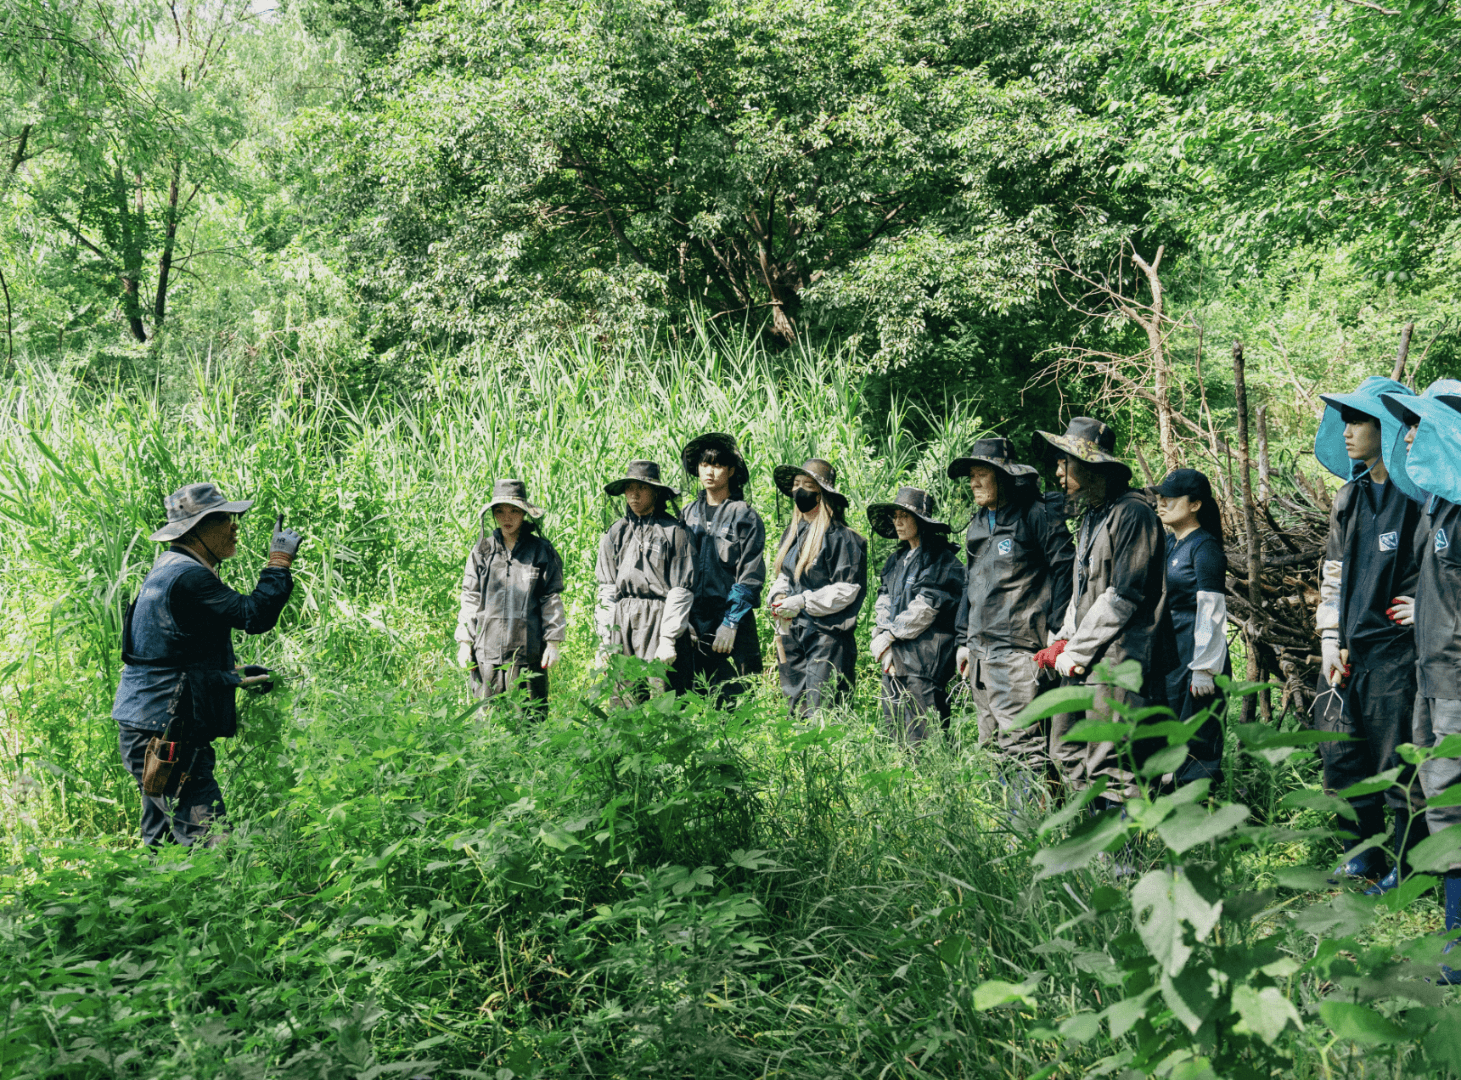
x,y
806,501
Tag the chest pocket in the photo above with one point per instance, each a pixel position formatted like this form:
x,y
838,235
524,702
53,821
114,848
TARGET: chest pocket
x,y
509,589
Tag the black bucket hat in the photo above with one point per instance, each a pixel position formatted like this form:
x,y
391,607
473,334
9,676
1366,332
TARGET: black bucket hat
x,y
1188,482
821,472
645,472
999,453
917,502
1090,441
191,504
716,440
512,493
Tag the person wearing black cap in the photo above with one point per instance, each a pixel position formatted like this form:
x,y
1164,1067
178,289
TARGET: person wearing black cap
x,y
821,580
1116,600
511,621
1196,618
176,693
914,637
646,575
1018,556
1367,680
730,567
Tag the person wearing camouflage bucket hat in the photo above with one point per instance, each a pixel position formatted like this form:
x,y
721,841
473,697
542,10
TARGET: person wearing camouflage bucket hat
x,y
913,638
1367,677
1432,435
730,568
821,580
176,692
1118,593
511,622
646,581
1018,556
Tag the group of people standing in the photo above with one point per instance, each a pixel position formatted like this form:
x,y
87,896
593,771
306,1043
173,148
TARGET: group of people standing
x,y
1024,605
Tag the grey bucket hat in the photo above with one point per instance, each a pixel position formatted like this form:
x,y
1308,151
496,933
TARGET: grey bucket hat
x,y
1090,441
512,493
998,453
917,502
191,504
645,472
821,472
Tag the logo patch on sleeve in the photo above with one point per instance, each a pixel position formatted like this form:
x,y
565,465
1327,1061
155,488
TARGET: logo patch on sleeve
x,y
1441,542
1006,546
1389,541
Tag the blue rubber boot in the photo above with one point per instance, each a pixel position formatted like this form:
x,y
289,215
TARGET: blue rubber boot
x,y
1409,831
1452,885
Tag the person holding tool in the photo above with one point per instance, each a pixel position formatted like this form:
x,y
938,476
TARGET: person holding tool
x,y
1117,597
175,695
511,621
821,580
730,567
1367,678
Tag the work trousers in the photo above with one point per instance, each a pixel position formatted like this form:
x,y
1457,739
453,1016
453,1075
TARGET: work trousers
x,y
1083,763
724,677
1002,686
910,702
183,818
502,678
1375,708
820,669
1434,719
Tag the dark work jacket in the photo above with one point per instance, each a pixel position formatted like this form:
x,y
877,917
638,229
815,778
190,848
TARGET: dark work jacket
x,y
730,545
508,599
1372,531
1438,601
1122,546
932,573
182,620
1019,579
843,558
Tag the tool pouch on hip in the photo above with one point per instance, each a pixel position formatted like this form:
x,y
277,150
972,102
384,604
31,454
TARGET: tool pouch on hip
x,y
162,769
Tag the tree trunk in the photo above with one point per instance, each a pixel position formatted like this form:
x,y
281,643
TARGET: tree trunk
x,y
169,236
19,156
129,219
1250,525
1161,381
1398,373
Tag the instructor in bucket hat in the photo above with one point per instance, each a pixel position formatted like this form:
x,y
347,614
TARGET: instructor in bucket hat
x,y
176,691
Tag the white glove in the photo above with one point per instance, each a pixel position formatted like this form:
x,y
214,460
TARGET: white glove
x,y
882,641
1202,684
1333,668
1065,664
464,655
1402,610
550,654
725,638
963,661
789,607
665,650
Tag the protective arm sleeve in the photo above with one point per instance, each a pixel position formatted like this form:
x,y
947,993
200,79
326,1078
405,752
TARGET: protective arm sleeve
x,y
917,617
677,613
555,621
607,574
883,611
1209,637
1326,616
471,599
738,604
830,599
1106,618
780,587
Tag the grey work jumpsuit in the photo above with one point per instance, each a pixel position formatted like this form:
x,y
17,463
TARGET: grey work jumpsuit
x,y
646,576
917,603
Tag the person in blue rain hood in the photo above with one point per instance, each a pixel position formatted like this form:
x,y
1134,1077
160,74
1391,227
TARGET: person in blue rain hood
x,y
1367,675
1427,459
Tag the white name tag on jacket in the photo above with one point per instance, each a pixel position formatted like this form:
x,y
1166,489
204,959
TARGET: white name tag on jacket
x,y
1441,542
1389,541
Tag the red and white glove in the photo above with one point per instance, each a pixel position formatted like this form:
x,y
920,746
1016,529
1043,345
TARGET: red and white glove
x,y
1046,658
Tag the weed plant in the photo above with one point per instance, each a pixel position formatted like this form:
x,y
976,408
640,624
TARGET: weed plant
x,y
414,886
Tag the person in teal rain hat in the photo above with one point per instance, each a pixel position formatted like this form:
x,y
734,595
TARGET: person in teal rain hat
x,y
1432,436
1367,676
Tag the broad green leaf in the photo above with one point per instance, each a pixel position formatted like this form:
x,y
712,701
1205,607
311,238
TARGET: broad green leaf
x,y
1377,783
1311,799
996,992
1093,730
1192,995
1438,851
1266,1012
1191,825
1443,1045
1063,699
1450,797
1072,810
1082,1027
1362,1024
1304,879
1164,761
1123,1014
1343,916
1165,902
1089,840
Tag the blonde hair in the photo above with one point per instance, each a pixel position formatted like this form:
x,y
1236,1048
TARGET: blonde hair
x,y
818,522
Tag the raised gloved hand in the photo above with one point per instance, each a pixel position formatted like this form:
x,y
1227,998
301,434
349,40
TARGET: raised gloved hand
x,y
1402,610
550,655
465,659
1335,664
1046,658
665,650
284,545
787,608
1065,664
962,659
725,638
1202,684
